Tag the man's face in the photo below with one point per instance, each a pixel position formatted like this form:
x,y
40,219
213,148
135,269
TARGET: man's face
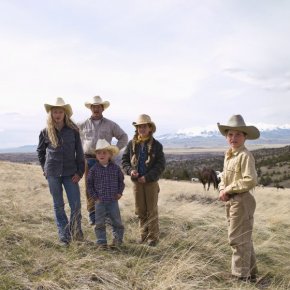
x,y
97,111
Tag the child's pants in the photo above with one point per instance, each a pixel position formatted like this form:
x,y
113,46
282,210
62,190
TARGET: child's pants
x,y
146,208
108,209
240,214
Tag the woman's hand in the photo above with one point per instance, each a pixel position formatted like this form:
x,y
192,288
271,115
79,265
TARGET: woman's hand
x,y
76,178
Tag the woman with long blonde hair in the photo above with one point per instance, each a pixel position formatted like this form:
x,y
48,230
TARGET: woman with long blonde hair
x,y
61,157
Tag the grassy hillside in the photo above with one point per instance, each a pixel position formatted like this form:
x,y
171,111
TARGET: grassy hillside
x,y
272,165
192,254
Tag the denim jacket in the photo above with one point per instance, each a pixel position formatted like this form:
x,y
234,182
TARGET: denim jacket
x,y
66,159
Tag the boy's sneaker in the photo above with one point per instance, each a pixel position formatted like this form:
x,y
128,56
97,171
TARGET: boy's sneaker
x,y
64,243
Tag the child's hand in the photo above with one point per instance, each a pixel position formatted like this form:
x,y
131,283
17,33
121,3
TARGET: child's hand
x,y
118,196
142,179
134,173
223,196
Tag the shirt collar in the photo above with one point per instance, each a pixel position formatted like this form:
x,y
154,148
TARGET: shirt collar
x,y
96,119
234,152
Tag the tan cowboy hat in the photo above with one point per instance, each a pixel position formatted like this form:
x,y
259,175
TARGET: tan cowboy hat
x,y
103,144
59,103
97,100
236,122
144,119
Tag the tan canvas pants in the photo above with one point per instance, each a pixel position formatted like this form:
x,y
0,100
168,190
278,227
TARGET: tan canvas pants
x,y
240,214
146,208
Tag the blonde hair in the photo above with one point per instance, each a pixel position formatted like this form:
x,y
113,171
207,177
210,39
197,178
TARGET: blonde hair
x,y
51,130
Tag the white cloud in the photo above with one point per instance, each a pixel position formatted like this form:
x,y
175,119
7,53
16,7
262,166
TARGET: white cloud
x,y
185,63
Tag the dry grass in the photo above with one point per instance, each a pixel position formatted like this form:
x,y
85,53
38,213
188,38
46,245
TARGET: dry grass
x,y
192,254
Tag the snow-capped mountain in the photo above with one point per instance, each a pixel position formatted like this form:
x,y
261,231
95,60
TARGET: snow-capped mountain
x,y
211,137
201,137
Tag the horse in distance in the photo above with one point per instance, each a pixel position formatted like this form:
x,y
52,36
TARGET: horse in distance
x,y
208,176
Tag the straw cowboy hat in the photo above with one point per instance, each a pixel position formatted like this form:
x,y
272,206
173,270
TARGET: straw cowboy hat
x,y
59,103
97,100
145,119
103,144
236,122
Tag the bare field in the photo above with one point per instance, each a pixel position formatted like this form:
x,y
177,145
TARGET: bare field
x,y
192,254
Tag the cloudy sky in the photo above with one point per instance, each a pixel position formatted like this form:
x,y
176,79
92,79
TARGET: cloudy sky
x,y
186,63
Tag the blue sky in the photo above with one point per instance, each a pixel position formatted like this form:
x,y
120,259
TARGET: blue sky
x,y
188,64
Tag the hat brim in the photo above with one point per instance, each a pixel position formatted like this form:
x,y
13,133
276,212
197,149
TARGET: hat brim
x,y
251,131
135,124
66,107
105,104
112,148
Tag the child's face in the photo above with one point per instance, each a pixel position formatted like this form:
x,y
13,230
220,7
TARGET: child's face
x,y
236,138
103,156
144,130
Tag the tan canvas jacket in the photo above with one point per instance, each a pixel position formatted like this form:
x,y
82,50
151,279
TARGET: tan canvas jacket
x,y
239,173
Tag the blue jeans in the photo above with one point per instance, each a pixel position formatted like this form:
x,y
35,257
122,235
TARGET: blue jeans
x,y
112,211
72,228
90,204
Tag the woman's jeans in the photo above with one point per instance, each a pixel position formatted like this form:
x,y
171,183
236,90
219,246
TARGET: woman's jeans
x,y
111,210
71,229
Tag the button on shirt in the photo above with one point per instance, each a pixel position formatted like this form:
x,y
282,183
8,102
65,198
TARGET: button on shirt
x,y
239,174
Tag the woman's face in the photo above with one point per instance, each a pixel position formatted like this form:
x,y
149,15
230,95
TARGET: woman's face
x,y
236,138
58,115
144,130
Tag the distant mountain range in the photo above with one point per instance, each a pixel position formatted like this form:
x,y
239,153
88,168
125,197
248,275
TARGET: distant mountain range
x,y
213,138
194,138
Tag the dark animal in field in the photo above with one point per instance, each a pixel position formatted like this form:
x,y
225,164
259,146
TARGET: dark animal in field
x,y
207,176
280,186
